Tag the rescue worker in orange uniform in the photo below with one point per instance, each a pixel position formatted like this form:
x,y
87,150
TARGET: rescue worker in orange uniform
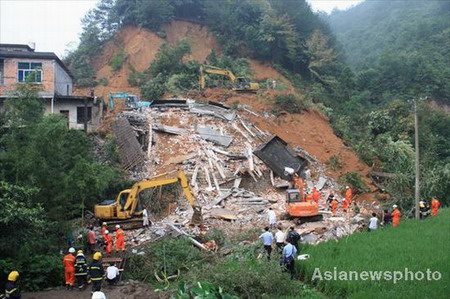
x,y
298,183
348,194
348,198
69,268
334,205
395,216
104,229
345,205
120,241
435,204
108,242
316,194
309,196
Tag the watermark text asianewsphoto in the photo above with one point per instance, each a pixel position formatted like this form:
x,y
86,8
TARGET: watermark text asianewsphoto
x,y
394,276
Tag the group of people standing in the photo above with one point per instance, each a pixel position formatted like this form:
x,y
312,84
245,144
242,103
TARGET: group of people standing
x,y
286,244
333,203
77,270
107,238
394,216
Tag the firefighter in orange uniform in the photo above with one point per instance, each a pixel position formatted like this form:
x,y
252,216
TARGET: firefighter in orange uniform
x,y
395,216
120,241
104,229
316,194
298,183
108,241
69,268
334,205
309,196
435,204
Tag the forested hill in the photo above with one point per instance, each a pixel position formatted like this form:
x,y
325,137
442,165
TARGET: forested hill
x,y
373,28
286,33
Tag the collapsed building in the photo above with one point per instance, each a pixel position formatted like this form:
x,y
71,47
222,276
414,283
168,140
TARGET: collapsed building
x,y
236,170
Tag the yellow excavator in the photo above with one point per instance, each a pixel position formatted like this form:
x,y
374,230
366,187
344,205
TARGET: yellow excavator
x,y
240,84
127,205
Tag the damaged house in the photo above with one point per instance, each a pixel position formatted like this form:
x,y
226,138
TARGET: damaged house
x,y
21,63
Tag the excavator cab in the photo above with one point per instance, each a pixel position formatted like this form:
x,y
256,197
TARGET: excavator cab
x,y
244,84
303,210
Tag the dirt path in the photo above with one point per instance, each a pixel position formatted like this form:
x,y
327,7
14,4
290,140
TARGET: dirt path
x,y
129,290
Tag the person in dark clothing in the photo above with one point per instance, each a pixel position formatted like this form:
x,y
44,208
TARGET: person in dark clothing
x,y
293,237
96,272
329,200
81,270
424,209
11,288
387,218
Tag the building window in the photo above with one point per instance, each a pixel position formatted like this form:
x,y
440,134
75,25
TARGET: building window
x,y
80,114
29,72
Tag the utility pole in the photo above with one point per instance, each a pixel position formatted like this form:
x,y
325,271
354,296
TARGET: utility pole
x,y
416,139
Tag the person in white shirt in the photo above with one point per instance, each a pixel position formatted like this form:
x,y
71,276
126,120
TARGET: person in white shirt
x,y
288,258
373,222
279,239
267,239
145,221
112,273
98,295
272,218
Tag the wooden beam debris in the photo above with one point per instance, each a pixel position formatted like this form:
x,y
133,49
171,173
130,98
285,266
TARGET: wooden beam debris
x,y
193,241
219,199
246,128
242,132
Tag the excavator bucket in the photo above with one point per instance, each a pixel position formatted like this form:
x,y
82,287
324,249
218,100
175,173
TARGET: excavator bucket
x,y
197,217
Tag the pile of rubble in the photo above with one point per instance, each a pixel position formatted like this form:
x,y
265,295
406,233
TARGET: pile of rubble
x,y
215,146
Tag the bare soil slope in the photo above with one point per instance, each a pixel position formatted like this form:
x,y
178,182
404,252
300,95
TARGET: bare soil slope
x,y
309,130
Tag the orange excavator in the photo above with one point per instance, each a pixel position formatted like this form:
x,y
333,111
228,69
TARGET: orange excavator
x,y
300,208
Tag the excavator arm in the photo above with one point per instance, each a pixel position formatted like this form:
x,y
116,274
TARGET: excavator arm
x,y
217,71
160,180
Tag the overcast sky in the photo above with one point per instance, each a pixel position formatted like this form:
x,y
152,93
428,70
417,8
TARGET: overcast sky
x,y
55,25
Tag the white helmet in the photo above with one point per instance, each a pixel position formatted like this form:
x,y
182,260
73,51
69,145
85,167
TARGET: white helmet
x,y
395,206
106,232
347,187
117,226
72,250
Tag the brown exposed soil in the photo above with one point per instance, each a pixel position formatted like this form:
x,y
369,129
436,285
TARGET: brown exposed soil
x,y
202,40
309,130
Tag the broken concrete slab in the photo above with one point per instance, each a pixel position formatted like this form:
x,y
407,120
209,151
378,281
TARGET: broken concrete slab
x,y
169,129
223,214
213,135
180,159
322,181
219,199
213,110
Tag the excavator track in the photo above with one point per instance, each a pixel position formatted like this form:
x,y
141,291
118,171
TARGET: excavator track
x,y
313,218
125,224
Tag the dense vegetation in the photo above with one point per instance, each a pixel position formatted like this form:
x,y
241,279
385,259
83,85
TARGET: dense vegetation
x,y
48,176
286,32
407,47
236,269
396,51
415,245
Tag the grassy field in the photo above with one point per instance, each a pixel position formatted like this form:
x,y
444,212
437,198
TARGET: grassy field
x,y
415,245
